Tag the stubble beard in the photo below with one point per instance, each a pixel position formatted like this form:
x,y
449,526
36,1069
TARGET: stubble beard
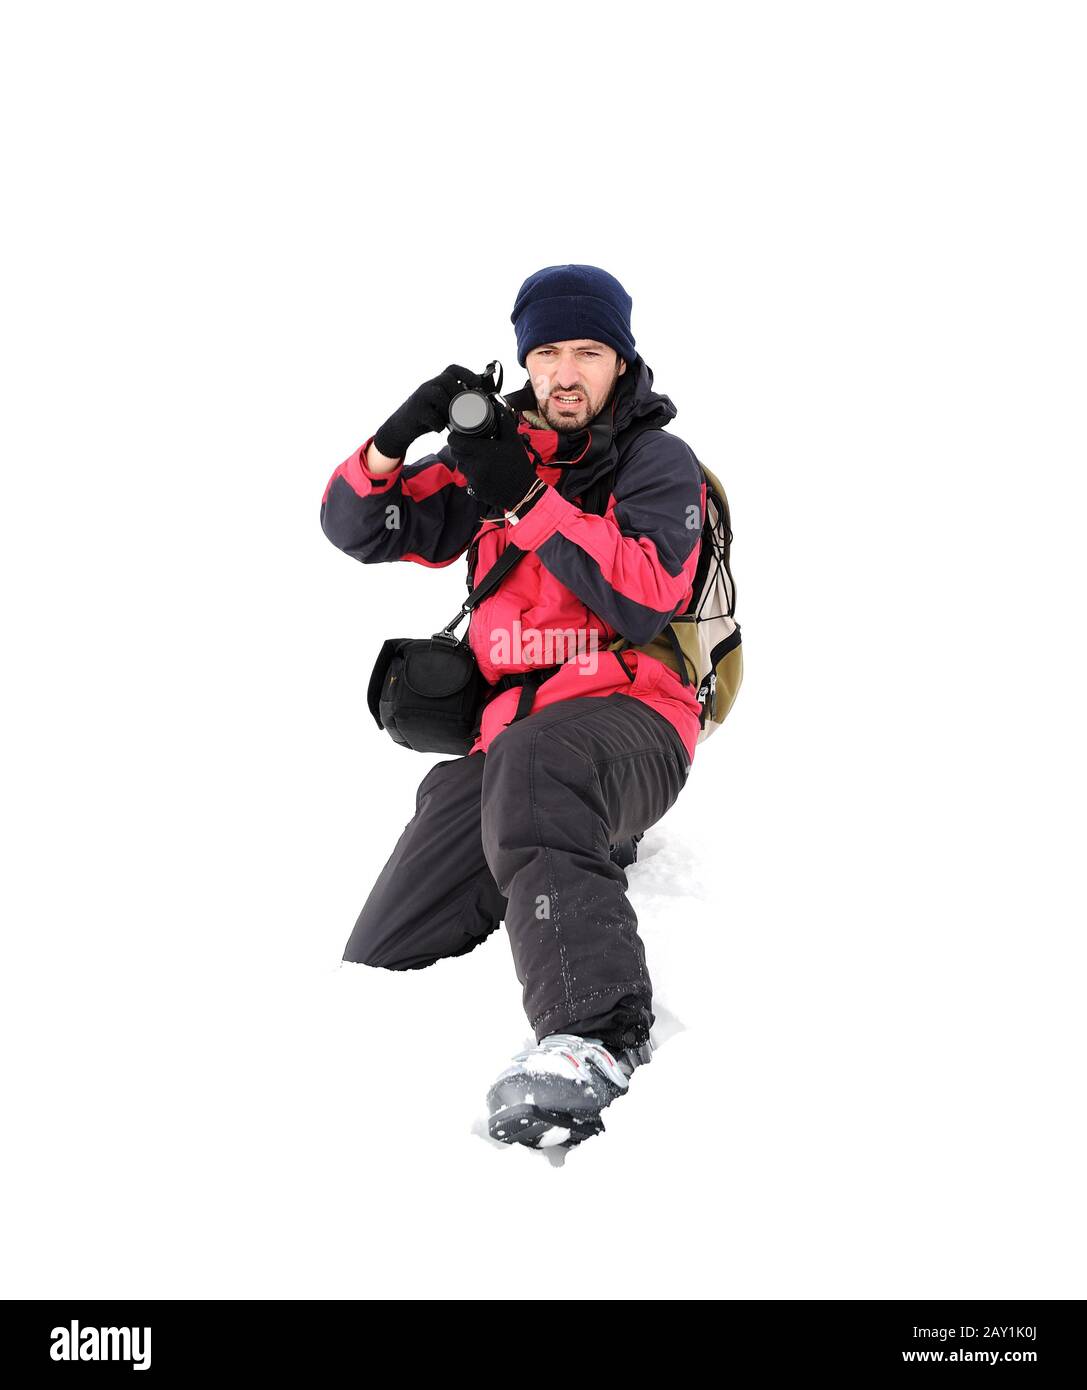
x,y
570,424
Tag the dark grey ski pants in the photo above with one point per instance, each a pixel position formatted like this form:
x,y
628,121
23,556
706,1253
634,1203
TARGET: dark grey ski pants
x,y
522,834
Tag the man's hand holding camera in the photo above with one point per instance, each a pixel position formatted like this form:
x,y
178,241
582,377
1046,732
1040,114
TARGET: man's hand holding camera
x,y
494,458
498,468
426,411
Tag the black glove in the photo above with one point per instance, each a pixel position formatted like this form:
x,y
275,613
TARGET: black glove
x,y
499,470
426,411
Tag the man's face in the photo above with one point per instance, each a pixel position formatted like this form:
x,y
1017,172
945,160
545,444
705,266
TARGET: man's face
x,y
577,368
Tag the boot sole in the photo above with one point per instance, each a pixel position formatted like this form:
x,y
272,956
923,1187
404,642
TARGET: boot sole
x,y
527,1124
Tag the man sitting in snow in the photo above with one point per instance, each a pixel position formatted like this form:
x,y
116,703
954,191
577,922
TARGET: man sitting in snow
x,y
521,828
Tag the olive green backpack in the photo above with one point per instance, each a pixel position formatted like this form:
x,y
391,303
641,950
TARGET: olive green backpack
x,y
701,644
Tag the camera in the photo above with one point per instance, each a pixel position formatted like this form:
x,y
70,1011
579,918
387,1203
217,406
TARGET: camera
x,y
474,412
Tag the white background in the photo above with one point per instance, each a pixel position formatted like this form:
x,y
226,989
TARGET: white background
x,y
236,237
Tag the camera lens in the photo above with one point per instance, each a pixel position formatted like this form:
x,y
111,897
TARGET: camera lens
x,y
470,412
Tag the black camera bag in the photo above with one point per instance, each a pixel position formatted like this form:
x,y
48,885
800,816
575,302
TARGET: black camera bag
x,y
426,692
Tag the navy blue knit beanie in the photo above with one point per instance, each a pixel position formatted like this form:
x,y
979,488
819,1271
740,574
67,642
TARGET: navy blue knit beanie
x,y
562,302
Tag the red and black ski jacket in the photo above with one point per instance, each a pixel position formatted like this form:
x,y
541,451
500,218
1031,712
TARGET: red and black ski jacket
x,y
586,578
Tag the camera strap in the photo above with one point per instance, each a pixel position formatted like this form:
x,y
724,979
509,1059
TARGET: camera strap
x,y
486,585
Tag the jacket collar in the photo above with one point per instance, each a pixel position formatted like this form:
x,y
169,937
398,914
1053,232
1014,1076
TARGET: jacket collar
x,y
591,453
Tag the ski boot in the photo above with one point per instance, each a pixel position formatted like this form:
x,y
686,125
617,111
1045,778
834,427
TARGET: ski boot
x,y
554,1092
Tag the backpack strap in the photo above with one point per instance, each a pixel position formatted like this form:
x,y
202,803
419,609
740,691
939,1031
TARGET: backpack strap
x,y
680,657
